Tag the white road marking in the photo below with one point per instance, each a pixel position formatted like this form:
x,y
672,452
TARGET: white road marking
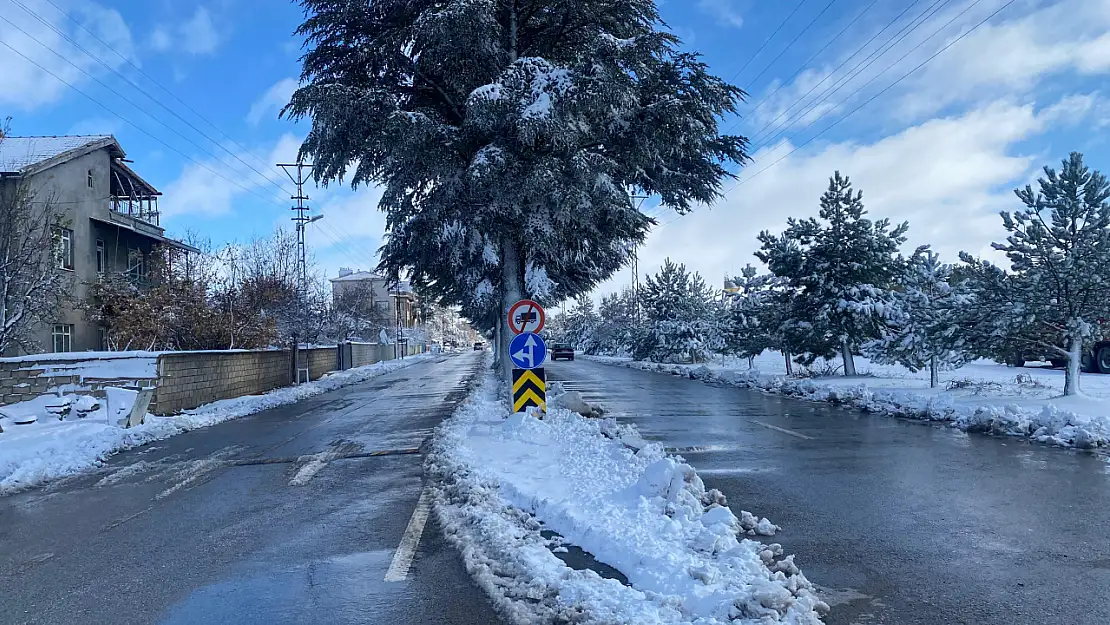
x,y
311,468
402,558
783,430
196,470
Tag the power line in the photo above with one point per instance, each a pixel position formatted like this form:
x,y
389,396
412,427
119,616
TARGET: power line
x,y
160,85
133,124
805,65
792,42
140,90
837,69
873,97
102,84
767,41
868,62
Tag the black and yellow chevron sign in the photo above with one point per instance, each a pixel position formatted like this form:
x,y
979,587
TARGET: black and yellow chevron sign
x,y
529,389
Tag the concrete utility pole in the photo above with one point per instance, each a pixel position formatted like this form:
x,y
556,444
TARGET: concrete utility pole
x,y
301,220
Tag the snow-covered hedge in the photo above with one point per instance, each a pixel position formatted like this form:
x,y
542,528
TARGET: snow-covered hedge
x,y
501,480
1050,423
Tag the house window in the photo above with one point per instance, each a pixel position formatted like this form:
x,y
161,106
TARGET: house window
x,y
61,337
89,179
63,250
99,256
136,263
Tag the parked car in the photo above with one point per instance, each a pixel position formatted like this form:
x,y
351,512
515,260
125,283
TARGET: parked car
x,y
563,351
479,346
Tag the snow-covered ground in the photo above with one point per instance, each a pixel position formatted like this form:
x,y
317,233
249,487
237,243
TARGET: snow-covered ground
x,y
982,396
502,482
49,449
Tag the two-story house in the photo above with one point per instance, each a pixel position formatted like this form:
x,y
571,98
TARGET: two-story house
x,y
392,302
111,215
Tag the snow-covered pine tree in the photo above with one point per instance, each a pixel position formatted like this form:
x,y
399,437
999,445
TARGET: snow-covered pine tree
x,y
1058,288
923,330
681,317
750,328
505,134
843,270
616,323
581,325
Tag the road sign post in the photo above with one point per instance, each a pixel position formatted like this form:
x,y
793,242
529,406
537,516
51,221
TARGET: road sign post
x,y
529,389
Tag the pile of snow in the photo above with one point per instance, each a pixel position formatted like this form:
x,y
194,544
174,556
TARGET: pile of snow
x,y
31,455
982,397
500,480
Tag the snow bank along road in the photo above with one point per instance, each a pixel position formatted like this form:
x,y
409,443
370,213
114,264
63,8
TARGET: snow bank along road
x,y
897,522
286,516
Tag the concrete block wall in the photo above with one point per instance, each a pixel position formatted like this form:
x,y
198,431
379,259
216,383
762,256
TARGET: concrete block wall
x,y
189,379
321,360
365,354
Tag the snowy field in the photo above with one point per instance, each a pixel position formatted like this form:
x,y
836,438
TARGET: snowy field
x,y
33,454
513,491
982,396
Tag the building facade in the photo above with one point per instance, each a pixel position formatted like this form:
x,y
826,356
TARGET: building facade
x,y
110,214
393,303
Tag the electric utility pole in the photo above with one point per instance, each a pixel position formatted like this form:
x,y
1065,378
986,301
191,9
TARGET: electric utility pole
x,y
301,220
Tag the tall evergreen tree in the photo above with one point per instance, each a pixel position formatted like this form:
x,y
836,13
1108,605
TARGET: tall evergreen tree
x,y
681,317
506,133
1059,250
923,331
581,325
843,267
616,322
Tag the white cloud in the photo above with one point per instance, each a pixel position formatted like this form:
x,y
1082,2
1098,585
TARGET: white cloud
x,y
948,177
268,105
727,11
196,35
197,192
26,86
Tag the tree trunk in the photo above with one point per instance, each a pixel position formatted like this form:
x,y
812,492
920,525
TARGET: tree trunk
x,y
934,379
1071,373
751,361
497,347
789,365
849,362
511,293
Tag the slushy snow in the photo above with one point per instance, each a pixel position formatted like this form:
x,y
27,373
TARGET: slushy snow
x,y
31,455
500,479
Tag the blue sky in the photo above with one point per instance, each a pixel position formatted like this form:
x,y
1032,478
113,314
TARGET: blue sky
x,y
942,147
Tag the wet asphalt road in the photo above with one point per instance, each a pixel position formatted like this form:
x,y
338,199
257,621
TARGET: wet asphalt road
x,y
174,534
899,523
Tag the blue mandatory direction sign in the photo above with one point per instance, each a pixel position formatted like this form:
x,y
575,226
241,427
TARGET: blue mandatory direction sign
x,y
527,351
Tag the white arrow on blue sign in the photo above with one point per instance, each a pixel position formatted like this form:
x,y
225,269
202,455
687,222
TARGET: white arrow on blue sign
x,y
527,351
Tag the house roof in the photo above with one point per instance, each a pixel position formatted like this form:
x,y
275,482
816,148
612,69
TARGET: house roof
x,y
25,155
359,276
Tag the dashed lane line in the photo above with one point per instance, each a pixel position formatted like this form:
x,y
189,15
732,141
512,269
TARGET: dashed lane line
x,y
783,430
402,558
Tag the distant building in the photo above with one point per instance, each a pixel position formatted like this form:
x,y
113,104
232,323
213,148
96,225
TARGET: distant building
x,y
112,214
383,296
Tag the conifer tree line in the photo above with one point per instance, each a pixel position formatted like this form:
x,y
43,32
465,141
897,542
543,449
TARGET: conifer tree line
x,y
836,286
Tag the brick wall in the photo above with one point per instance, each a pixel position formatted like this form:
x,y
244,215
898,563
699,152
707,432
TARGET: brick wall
x,y
189,379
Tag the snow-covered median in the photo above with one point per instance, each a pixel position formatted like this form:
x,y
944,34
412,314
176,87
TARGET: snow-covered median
x,y
501,480
31,455
979,397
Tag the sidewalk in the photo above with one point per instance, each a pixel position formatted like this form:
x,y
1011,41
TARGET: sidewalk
x,y
561,520
983,396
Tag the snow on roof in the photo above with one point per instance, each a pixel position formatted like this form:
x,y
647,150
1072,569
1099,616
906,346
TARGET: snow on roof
x,y
20,153
357,276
